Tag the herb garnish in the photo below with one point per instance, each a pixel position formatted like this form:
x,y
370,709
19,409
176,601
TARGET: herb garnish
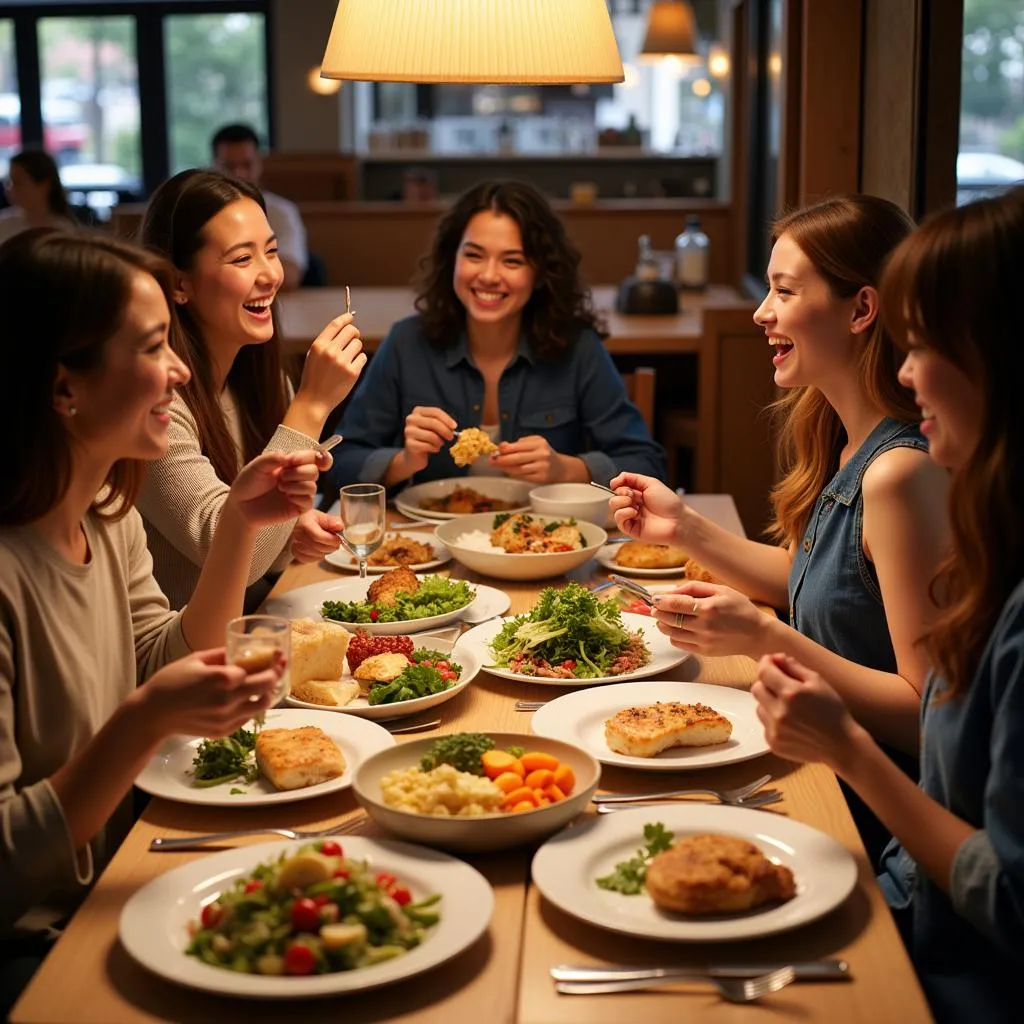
x,y
629,875
227,759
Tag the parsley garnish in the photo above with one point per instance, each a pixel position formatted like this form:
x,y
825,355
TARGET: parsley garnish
x,y
629,875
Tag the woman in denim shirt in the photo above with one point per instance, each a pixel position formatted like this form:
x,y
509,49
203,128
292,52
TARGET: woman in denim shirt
x,y
504,340
955,874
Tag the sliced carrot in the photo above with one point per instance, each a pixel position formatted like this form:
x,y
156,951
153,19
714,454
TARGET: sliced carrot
x,y
564,778
539,778
538,759
542,800
554,794
523,805
517,767
495,762
516,796
507,781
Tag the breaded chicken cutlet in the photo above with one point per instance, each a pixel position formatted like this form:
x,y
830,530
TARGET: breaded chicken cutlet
x,y
636,555
384,589
296,758
647,730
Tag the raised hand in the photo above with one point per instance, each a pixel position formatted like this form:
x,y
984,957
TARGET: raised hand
x,y
427,430
532,458
277,486
316,534
707,618
333,364
646,509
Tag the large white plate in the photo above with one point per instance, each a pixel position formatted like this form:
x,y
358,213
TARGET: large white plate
x,y
305,602
663,655
566,866
363,709
169,771
606,556
341,559
579,718
505,488
154,922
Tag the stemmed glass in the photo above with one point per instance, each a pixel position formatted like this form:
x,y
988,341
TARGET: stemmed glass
x,y
257,642
362,509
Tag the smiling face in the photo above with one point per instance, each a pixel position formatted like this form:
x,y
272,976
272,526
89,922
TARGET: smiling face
x,y
811,331
492,277
121,407
234,277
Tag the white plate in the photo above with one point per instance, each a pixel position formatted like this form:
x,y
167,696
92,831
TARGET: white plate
x,y
566,866
341,559
154,922
579,718
363,709
606,556
663,655
501,487
169,772
305,602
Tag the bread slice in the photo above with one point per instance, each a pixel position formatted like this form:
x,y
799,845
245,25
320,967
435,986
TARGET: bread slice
x,y
296,758
332,693
318,651
648,730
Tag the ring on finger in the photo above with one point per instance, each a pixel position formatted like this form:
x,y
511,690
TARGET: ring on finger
x,y
693,610
679,620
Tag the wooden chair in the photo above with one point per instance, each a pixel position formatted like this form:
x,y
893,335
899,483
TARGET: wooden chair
x,y
640,389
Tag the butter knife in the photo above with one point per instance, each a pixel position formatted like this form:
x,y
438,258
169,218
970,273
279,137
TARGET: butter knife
x,y
808,970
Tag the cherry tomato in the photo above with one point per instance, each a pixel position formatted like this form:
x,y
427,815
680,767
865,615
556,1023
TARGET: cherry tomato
x,y
299,959
569,663
401,895
341,873
427,663
305,915
374,615
329,848
253,886
211,915
385,881
441,666
322,899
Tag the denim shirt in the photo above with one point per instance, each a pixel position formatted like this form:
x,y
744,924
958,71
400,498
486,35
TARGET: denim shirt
x,y
834,596
577,403
969,944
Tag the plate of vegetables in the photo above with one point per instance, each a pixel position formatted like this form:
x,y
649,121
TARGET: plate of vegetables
x,y
276,921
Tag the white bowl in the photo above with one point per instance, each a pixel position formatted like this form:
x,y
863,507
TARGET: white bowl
x,y
498,831
504,566
576,501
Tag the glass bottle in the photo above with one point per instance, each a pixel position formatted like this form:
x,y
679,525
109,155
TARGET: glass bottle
x,y
647,268
692,252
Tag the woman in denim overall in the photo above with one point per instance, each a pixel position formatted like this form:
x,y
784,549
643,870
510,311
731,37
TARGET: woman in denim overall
x,y
858,515
954,874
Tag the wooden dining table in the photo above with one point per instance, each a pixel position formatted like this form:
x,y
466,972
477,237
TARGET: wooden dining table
x,y
89,978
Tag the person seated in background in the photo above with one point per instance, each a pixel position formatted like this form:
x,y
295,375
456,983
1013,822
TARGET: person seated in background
x,y
859,513
84,396
36,195
505,340
954,876
238,402
236,152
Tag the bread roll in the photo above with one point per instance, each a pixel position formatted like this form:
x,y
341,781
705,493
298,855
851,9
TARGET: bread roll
x,y
318,651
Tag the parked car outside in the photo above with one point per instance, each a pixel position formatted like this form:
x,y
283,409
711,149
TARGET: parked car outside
x,y
979,174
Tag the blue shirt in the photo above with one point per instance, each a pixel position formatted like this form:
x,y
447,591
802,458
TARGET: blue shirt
x,y
576,402
969,944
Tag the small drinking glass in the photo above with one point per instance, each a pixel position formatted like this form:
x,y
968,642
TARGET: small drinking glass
x,y
362,509
256,642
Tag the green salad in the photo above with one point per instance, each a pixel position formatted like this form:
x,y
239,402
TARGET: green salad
x,y
569,634
229,759
436,595
429,673
313,912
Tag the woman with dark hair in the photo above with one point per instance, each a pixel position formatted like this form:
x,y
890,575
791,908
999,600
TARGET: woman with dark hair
x,y
86,388
238,403
504,340
36,195
955,874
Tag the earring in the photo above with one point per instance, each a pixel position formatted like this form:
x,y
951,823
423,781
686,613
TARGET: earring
x,y
72,410
180,300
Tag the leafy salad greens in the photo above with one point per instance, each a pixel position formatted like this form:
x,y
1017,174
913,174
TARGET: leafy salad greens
x,y
435,596
424,677
226,760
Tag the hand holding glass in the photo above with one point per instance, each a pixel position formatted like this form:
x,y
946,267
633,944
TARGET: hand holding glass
x,y
256,642
362,509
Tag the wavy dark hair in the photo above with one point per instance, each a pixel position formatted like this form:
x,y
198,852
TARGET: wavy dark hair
x,y
64,296
848,240
174,226
40,167
954,285
560,306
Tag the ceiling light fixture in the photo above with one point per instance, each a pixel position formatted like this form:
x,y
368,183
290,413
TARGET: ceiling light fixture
x,y
671,32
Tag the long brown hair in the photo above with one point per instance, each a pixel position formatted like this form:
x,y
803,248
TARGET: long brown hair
x,y
63,297
40,167
174,224
847,239
955,286
560,306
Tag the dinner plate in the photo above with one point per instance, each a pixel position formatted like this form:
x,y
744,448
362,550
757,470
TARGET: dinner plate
x,y
663,655
502,487
566,867
154,922
169,771
579,718
363,709
606,556
341,559
305,602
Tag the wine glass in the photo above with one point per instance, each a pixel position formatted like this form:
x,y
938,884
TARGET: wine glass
x,y
362,509
256,642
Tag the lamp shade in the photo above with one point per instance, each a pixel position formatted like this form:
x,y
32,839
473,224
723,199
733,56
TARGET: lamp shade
x,y
541,42
671,31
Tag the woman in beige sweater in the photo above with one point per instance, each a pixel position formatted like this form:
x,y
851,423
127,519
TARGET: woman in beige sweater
x,y
214,230
84,400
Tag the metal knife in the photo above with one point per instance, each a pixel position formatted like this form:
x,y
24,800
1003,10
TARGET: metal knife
x,y
808,970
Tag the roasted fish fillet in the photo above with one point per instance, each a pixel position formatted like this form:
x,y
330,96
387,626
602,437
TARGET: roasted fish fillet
x,y
295,758
648,730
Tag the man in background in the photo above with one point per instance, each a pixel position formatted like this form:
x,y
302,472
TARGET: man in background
x,y
236,151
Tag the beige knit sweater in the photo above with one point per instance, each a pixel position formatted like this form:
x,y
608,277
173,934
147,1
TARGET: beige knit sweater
x,y
74,642
182,498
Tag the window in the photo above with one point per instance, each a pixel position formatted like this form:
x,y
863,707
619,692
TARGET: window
x,y
10,105
216,73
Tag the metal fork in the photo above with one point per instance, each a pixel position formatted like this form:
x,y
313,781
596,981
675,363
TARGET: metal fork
x,y
768,796
736,990
726,796
530,705
185,842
